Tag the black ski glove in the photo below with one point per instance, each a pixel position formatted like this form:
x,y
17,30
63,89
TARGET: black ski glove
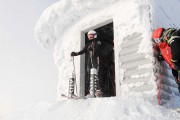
x,y
74,54
160,58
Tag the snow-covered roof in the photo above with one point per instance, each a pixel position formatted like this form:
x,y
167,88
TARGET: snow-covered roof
x,y
63,14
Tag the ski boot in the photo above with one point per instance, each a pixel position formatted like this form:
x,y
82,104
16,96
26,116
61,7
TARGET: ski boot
x,y
89,96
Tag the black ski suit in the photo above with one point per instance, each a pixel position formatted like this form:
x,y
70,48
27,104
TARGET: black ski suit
x,y
92,49
173,40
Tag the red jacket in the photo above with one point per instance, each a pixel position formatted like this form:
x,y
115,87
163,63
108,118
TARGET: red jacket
x,y
166,53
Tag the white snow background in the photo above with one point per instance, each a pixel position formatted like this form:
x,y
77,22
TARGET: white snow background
x,y
55,29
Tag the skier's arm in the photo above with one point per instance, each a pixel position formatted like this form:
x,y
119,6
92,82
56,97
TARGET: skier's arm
x,y
82,51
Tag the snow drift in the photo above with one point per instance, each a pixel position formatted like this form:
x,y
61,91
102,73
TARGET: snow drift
x,y
126,108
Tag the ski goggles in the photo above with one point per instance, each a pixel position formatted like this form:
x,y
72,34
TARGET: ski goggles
x,y
91,35
157,40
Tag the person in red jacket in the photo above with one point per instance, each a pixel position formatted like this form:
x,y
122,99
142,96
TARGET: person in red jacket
x,y
168,42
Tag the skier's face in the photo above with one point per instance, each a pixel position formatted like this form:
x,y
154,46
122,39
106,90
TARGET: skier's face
x,y
90,36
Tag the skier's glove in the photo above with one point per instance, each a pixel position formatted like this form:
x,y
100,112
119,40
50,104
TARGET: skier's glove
x,y
179,76
74,54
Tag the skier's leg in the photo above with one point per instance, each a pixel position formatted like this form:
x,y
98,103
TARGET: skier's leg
x,y
87,80
175,74
97,79
92,77
175,50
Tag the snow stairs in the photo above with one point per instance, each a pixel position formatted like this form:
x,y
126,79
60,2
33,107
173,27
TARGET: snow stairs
x,y
137,68
169,88
142,74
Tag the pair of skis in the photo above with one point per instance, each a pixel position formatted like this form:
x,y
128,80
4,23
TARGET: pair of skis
x,y
72,85
72,97
93,83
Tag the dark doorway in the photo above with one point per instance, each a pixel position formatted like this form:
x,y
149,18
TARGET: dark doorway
x,y
106,72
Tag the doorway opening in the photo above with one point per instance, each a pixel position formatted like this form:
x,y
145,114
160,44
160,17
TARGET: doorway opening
x,y
106,72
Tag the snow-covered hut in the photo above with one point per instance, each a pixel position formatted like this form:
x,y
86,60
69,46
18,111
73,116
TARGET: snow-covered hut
x,y
63,27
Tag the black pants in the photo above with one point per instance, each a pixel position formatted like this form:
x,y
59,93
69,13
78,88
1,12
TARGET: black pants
x,y
175,50
175,74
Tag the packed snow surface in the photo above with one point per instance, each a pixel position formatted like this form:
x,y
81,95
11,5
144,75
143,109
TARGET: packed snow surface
x,y
122,108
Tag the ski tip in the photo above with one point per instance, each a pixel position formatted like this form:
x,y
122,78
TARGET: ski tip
x,y
73,97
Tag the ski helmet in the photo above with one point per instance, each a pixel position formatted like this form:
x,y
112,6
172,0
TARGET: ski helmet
x,y
157,34
92,32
